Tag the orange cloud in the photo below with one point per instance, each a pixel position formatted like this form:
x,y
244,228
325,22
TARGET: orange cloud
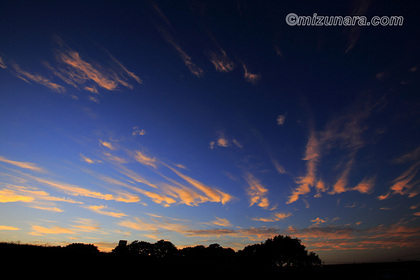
x,y
143,159
78,72
42,195
107,144
365,186
250,77
7,195
86,159
257,192
2,227
212,194
79,191
221,222
274,218
100,209
403,184
312,156
27,77
25,165
40,230
82,70
221,61
2,64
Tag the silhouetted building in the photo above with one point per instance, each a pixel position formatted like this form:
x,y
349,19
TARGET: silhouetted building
x,y
122,243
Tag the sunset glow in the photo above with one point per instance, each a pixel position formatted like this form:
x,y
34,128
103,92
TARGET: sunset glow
x,y
204,122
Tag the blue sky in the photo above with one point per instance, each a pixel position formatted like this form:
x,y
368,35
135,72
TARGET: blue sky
x,y
201,122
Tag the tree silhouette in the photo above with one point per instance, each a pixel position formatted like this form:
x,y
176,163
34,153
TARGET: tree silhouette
x,y
141,248
280,251
163,249
81,248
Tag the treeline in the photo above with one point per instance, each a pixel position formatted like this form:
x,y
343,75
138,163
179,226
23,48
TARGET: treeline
x,y
278,252
8,249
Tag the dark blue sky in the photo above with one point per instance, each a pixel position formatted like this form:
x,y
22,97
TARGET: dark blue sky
x,y
210,121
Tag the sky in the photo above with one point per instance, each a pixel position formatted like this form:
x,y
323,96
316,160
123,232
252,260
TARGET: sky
x,y
204,122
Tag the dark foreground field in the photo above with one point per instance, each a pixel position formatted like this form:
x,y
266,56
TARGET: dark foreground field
x,y
54,262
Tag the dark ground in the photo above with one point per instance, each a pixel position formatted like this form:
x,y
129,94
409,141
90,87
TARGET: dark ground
x,y
54,262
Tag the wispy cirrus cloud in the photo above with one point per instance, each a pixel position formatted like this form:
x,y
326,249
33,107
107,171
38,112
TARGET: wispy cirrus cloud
x,y
144,159
24,165
366,185
36,78
312,157
2,63
41,230
250,77
258,194
221,222
102,209
212,194
108,145
343,133
221,61
166,31
77,71
274,217
406,183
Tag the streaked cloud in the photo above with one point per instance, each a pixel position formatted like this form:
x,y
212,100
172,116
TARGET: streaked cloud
x,y
211,194
258,194
2,64
221,222
107,144
7,195
344,133
312,156
221,61
169,38
40,230
279,168
274,217
143,159
37,78
358,8
365,186
86,159
3,227
78,72
250,77
102,209
41,195
326,238
80,191
194,69
25,165
405,184
410,156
